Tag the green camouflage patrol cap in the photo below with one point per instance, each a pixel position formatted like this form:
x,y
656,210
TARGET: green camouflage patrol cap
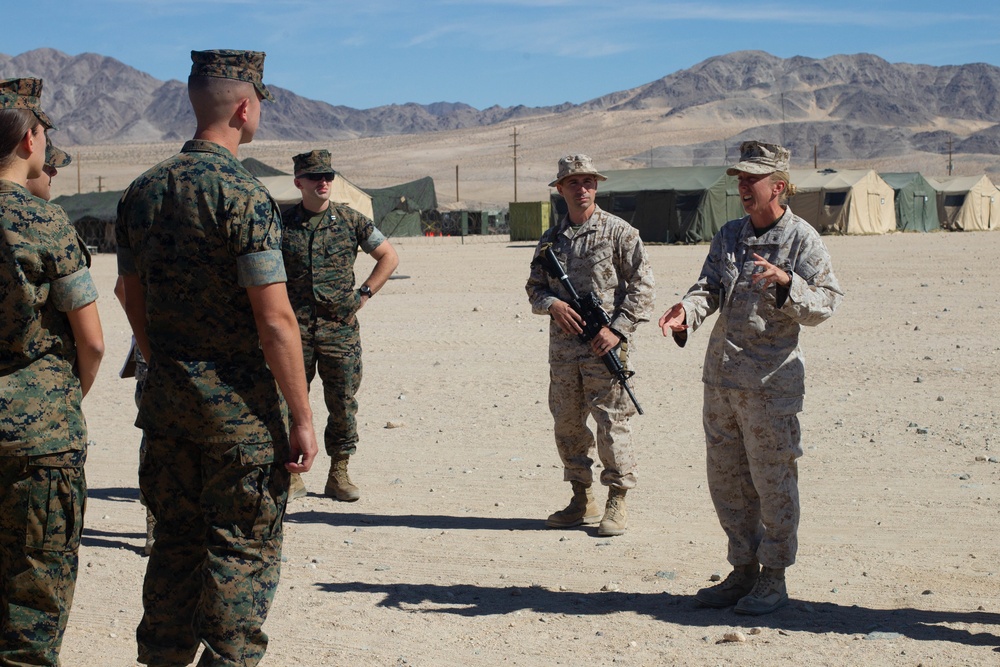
x,y
756,157
313,162
55,157
576,164
24,94
232,64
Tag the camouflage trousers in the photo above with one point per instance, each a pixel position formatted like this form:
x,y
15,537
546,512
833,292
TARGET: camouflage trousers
x,y
215,564
752,443
585,389
334,349
42,501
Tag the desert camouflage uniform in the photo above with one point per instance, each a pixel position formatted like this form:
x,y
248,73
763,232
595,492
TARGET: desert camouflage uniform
x,y
198,229
319,250
755,379
603,255
43,436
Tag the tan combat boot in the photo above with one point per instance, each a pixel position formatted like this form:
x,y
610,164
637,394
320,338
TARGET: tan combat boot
x,y
296,487
338,485
150,529
615,520
737,585
768,594
581,509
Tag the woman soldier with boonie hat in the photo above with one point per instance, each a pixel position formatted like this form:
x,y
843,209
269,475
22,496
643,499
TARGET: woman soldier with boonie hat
x,y
51,345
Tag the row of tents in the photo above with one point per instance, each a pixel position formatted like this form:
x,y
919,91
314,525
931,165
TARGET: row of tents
x,y
397,210
690,204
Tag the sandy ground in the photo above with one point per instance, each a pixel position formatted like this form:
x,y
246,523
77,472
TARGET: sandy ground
x,y
445,560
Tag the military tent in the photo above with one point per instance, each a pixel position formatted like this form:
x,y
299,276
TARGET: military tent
x,y
398,209
668,204
967,203
844,202
342,191
93,214
915,202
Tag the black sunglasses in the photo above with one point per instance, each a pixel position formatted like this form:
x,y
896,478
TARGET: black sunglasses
x,y
317,177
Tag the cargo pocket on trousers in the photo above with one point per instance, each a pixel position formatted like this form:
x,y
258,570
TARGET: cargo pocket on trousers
x,y
57,498
260,515
783,415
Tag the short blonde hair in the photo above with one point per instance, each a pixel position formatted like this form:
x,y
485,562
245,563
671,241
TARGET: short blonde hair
x,y
790,189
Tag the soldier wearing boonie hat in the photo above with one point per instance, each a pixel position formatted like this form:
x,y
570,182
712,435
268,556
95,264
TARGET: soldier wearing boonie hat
x,y
576,164
604,254
320,242
767,274
232,64
51,354
199,254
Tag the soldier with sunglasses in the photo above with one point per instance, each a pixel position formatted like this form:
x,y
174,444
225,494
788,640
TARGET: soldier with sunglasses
x,y
320,242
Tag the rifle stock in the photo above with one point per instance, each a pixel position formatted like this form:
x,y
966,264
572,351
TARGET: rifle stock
x,y
594,318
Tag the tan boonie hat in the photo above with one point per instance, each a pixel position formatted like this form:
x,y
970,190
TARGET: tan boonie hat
x,y
313,162
756,157
55,157
24,94
576,164
231,64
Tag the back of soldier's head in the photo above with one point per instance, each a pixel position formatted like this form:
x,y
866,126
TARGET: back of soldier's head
x,y
213,98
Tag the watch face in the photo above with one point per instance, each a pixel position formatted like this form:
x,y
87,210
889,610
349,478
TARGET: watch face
x,y
366,290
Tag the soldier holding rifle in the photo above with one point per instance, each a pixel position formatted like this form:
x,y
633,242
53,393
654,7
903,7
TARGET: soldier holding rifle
x,y
602,254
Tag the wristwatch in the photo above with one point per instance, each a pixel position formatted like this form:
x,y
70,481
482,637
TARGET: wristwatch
x,y
366,291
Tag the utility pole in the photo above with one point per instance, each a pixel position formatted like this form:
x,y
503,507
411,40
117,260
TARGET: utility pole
x,y
457,198
514,146
650,157
815,156
949,156
100,184
79,183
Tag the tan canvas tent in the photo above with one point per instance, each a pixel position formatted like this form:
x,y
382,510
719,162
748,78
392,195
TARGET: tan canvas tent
x,y
844,202
342,191
967,203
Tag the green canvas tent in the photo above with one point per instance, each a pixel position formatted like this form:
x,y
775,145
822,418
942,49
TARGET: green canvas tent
x,y
916,202
93,214
853,201
397,209
967,203
668,204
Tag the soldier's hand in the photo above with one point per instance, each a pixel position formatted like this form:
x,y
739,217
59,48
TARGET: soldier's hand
x,y
674,320
302,442
568,319
767,274
605,341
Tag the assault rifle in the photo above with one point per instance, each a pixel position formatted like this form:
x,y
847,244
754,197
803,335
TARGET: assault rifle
x,y
594,318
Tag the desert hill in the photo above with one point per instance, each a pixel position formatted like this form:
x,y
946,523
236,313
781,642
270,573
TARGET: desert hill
x,y
847,110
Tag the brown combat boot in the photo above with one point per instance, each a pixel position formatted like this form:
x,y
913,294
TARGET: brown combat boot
x,y
737,585
615,520
768,594
338,485
150,529
581,509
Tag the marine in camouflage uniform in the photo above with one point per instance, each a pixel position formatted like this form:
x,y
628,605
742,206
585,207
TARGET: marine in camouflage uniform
x,y
602,254
195,235
768,274
320,242
44,274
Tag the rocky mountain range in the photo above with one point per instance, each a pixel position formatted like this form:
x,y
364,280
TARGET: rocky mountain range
x,y
851,106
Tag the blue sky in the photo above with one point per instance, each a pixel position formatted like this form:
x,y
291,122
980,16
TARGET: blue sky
x,y
485,52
